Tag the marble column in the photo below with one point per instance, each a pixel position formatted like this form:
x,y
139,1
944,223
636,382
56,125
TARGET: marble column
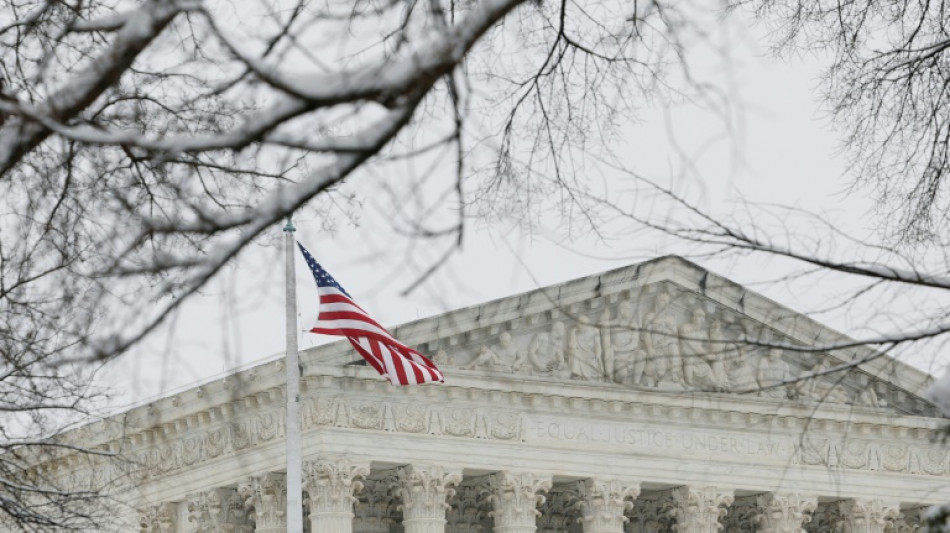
x,y
699,509
424,491
603,504
781,512
867,516
330,485
515,500
161,518
218,509
266,497
372,508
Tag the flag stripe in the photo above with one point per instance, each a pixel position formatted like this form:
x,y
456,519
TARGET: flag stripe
x,y
333,296
340,315
370,358
350,329
352,316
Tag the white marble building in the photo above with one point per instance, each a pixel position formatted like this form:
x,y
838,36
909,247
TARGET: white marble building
x,y
616,403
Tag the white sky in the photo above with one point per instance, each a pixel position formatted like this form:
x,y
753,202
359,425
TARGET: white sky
x,y
782,151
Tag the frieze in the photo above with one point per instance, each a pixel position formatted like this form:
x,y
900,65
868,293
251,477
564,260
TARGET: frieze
x,y
852,452
542,430
163,457
815,448
470,422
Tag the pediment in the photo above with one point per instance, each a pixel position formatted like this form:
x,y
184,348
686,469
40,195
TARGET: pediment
x,y
666,325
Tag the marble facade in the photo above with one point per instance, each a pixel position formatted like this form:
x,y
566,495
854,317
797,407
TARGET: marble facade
x,y
638,401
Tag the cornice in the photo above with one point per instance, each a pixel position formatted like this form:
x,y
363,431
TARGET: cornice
x,y
261,389
490,409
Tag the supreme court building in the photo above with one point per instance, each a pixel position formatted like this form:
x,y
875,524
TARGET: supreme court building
x,y
625,402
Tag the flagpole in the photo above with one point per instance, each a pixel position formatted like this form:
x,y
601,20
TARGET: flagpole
x,y
292,435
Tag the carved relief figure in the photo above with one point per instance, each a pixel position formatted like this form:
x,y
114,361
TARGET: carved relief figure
x,y
606,355
507,350
584,351
719,350
693,351
741,373
504,356
867,397
622,343
773,370
821,388
486,358
658,338
546,351
440,358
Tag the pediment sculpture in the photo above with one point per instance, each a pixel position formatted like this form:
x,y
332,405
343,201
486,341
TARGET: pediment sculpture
x,y
664,338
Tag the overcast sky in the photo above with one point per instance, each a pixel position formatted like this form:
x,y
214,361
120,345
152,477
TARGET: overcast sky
x,y
781,149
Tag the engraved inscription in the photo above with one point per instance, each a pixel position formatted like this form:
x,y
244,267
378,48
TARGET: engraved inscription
x,y
658,439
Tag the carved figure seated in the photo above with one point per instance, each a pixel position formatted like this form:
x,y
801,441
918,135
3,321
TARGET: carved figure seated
x,y
508,352
546,350
692,338
817,386
486,358
741,373
868,397
771,372
441,358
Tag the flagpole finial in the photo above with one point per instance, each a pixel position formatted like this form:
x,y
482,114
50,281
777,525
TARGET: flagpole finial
x,y
290,225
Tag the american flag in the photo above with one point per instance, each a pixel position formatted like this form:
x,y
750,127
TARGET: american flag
x,y
339,315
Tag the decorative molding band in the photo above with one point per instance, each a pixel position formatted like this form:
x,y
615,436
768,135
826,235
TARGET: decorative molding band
x,y
818,448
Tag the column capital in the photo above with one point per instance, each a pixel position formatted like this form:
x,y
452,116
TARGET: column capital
x,y
330,483
515,499
867,516
161,518
604,502
217,509
424,491
909,521
785,512
266,496
699,509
